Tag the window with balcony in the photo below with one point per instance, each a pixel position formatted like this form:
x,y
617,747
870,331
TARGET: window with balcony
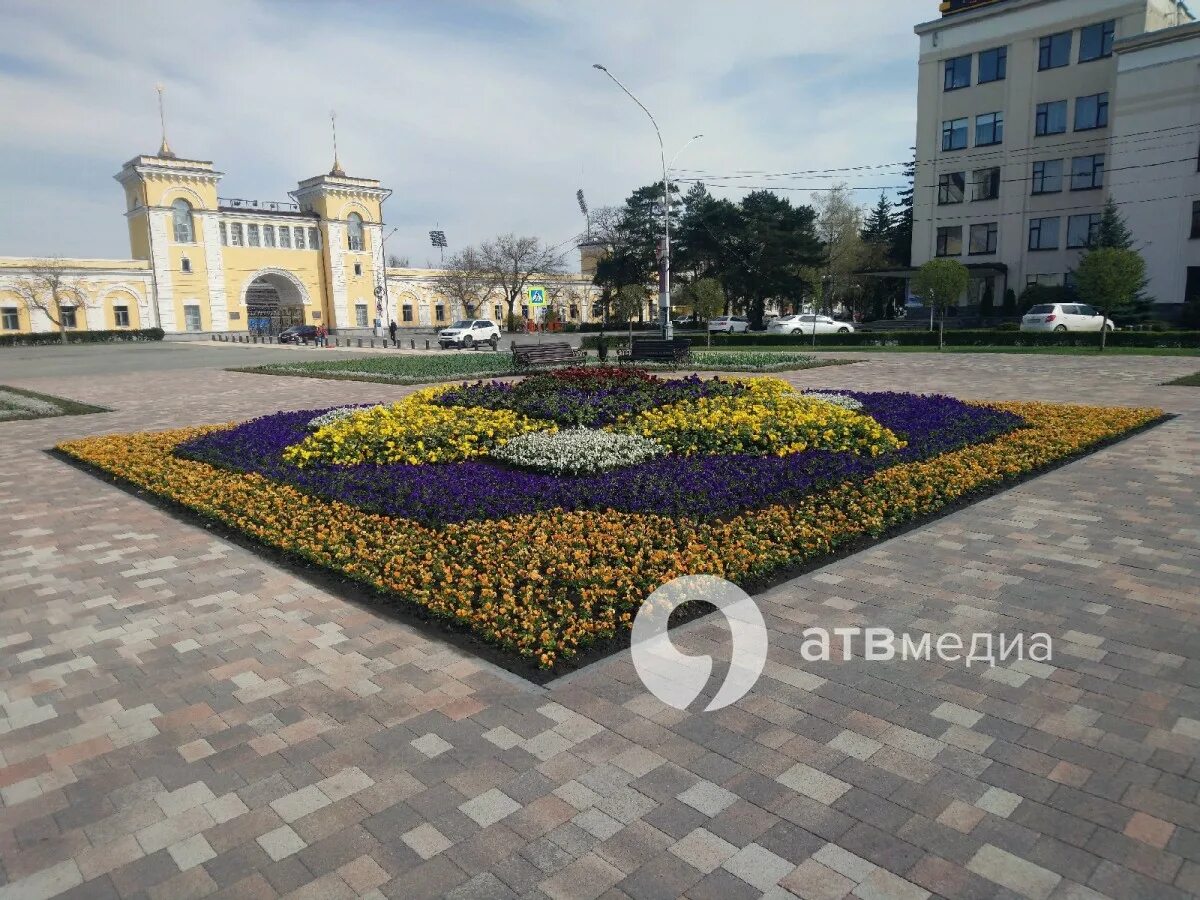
x,y
1051,118
1091,112
958,73
985,183
1047,176
984,239
949,241
1096,41
1043,233
954,134
1054,51
1087,172
993,65
1082,230
950,188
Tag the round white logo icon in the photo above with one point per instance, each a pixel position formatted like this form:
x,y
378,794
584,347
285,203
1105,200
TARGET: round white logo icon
x,y
677,679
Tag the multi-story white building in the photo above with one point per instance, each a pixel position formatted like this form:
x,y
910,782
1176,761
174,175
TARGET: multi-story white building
x,y
1021,133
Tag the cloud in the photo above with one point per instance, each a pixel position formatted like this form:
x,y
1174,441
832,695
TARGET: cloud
x,y
482,117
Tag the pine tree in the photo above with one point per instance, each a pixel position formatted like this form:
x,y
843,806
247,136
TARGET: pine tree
x,y
902,230
1114,234
879,222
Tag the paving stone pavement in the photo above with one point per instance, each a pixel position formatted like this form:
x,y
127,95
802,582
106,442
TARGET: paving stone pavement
x,y
179,718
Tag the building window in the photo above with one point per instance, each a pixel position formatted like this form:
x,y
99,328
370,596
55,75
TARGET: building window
x,y
224,233
235,234
360,315
358,268
439,312
954,134
67,314
985,183
949,241
185,264
1087,172
498,311
181,213
285,237
314,239
121,316
1096,41
958,73
268,235
993,65
984,238
1195,222
406,313
574,311
1043,233
298,239
1051,118
10,318
1051,280
989,129
252,236
1047,176
1082,230
1054,51
354,232
191,317
950,188
1091,112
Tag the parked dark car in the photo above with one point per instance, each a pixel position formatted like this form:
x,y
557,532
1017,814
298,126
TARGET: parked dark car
x,y
298,334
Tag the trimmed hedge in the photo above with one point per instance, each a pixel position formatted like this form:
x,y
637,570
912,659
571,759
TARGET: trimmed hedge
x,y
965,338
115,335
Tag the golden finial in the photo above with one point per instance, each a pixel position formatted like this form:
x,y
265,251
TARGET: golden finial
x,y
337,169
164,151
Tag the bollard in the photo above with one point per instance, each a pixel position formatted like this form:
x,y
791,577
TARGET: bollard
x,y
412,344
426,343
372,343
360,342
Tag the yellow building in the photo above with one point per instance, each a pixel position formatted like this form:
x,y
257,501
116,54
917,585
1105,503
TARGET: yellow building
x,y
204,264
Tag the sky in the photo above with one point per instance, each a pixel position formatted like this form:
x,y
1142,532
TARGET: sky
x,y
482,117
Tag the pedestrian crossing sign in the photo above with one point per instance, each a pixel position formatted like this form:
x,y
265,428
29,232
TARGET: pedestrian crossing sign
x,y
536,294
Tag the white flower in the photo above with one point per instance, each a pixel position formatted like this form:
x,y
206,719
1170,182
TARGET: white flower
x,y
577,451
336,415
836,399
25,406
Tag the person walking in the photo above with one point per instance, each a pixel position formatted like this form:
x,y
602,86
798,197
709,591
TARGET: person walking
x,y
322,334
392,332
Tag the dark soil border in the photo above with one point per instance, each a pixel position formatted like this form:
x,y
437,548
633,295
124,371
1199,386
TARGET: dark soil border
x,y
66,407
458,636
1192,380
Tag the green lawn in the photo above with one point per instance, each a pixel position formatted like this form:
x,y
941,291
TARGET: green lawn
x,y
446,366
1187,381
17,404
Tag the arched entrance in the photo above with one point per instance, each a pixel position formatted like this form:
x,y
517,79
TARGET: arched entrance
x,y
274,300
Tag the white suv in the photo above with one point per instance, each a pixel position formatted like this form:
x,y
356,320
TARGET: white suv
x,y
1064,317
468,333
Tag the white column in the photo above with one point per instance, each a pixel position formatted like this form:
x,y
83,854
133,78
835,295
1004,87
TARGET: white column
x,y
160,260
214,262
374,236
336,235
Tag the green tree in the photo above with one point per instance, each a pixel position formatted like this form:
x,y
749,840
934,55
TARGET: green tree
x,y
1114,233
881,293
630,302
839,221
1010,303
1110,278
939,283
706,297
902,229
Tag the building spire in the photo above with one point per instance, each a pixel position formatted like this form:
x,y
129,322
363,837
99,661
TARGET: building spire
x,y
337,169
164,150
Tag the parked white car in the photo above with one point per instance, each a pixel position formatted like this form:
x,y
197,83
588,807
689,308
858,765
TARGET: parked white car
x,y
729,324
468,333
807,324
1064,317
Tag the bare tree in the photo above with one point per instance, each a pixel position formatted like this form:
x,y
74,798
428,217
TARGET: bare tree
x,y
839,226
513,262
45,286
398,262
466,281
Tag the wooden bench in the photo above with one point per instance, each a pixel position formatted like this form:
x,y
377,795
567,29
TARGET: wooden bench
x,y
658,350
536,356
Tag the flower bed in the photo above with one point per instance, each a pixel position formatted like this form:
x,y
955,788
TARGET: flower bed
x,y
543,565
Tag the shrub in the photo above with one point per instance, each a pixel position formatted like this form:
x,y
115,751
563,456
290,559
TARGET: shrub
x,y
968,338
115,335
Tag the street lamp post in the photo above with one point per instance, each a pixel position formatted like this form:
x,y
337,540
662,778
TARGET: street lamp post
x,y
664,284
